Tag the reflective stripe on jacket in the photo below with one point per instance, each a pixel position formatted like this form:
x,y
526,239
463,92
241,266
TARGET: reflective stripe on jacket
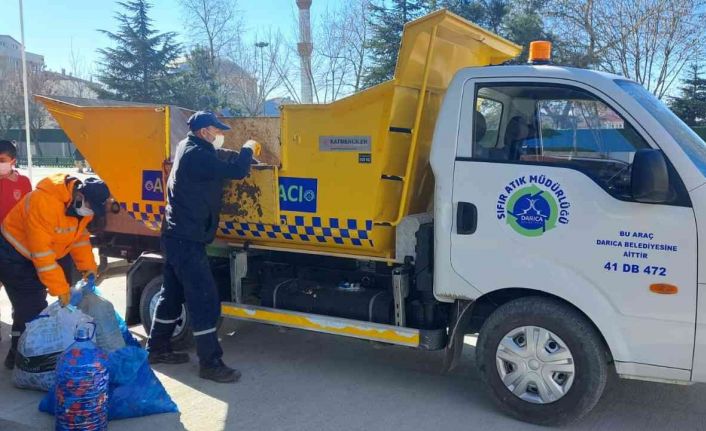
x,y
39,229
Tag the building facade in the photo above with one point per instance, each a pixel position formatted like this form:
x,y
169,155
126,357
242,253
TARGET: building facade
x,y
11,56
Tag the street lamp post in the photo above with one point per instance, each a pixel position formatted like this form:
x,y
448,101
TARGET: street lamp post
x,y
26,94
261,46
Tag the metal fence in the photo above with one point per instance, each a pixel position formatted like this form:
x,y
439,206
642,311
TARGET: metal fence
x,y
48,162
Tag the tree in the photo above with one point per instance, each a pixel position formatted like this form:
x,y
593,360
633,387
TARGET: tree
x,y
141,66
329,69
486,13
339,58
254,70
386,24
517,20
39,81
11,104
525,24
358,31
197,86
690,106
213,24
82,84
656,53
494,12
649,41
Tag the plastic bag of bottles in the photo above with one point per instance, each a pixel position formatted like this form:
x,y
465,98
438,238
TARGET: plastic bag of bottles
x,y
89,284
108,335
81,391
43,341
134,390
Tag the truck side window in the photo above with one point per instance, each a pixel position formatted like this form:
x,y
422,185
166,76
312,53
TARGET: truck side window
x,y
488,115
562,126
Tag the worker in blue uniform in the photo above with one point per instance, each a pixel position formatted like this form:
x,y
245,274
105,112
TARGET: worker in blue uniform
x,y
194,191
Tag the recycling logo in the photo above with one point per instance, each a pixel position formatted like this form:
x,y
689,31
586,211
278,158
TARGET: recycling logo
x,y
533,205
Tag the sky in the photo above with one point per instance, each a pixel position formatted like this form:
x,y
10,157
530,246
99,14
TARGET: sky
x,y
53,27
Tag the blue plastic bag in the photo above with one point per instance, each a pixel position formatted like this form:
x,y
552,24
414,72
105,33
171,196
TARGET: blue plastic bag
x,y
134,390
123,364
144,396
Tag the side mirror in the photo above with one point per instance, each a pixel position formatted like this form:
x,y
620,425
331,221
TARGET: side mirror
x,y
650,177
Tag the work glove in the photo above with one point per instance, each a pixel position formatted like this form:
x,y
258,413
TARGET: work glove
x,y
254,146
89,276
65,299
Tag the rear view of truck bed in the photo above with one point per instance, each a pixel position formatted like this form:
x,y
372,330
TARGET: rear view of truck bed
x,y
336,178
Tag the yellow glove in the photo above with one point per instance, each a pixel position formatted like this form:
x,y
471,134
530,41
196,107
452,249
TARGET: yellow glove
x,y
65,299
254,146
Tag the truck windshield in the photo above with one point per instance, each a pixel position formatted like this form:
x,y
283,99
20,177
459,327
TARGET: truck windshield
x,y
685,137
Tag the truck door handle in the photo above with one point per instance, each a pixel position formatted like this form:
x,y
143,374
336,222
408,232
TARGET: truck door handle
x,y
466,218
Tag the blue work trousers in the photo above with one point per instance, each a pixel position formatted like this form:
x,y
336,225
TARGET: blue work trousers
x,y
187,278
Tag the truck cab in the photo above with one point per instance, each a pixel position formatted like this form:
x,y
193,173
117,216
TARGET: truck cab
x,y
580,186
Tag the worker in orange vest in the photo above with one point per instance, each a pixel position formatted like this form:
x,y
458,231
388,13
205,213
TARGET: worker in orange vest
x,y
49,223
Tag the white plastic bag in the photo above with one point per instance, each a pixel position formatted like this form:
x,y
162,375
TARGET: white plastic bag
x,y
43,341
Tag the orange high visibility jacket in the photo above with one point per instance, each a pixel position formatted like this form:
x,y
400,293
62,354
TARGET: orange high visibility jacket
x,y
40,230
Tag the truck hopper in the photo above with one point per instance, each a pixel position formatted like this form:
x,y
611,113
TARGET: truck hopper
x,y
335,179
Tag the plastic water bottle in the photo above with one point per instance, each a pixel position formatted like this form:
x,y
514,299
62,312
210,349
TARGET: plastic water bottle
x,y
108,335
82,384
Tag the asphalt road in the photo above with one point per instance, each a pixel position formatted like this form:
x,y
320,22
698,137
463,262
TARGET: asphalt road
x,y
294,380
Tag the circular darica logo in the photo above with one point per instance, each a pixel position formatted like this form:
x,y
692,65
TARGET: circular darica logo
x,y
532,205
532,211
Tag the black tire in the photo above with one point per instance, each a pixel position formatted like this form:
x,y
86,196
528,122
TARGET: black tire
x,y
586,346
183,340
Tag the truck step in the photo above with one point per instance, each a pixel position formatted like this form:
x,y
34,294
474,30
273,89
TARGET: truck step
x,y
427,340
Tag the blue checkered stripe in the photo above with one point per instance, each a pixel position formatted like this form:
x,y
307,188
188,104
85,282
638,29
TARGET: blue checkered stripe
x,y
150,215
307,229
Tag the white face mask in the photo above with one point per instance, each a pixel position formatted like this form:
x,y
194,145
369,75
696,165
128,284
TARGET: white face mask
x,y
81,208
218,141
5,168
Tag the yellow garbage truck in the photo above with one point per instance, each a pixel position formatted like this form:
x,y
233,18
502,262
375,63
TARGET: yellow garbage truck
x,y
552,211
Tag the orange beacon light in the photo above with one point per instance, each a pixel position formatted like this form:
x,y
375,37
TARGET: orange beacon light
x,y
540,52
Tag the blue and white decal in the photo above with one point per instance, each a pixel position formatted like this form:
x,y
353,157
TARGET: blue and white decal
x,y
532,205
298,194
152,186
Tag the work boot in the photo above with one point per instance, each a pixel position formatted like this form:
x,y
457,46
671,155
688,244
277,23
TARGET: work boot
x,y
10,359
220,373
168,358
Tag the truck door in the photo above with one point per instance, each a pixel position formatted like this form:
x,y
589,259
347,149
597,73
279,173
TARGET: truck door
x,y
542,197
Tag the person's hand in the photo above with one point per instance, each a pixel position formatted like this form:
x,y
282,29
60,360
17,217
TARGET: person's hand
x,y
65,299
255,146
88,274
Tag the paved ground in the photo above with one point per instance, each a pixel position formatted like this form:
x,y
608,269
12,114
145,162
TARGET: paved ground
x,y
296,380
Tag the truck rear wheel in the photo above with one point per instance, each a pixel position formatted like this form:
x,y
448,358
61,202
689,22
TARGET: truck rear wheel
x,y
543,361
183,337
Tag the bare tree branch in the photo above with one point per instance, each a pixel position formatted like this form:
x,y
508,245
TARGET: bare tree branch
x,y
649,41
213,24
259,67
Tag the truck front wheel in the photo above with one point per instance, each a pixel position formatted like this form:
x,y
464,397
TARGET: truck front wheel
x,y
182,338
542,360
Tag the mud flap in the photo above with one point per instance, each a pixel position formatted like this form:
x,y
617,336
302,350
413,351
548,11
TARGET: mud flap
x,y
462,311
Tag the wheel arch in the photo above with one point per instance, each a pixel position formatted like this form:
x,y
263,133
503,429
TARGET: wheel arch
x,y
145,268
486,304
